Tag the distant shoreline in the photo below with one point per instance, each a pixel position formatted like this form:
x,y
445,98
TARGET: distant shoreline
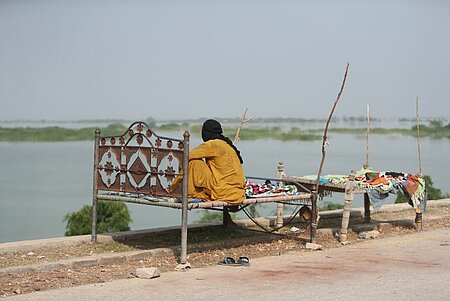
x,y
228,120
252,131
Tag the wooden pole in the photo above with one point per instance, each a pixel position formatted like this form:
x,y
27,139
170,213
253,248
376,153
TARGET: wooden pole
x,y
418,219
418,135
366,165
244,119
324,143
226,219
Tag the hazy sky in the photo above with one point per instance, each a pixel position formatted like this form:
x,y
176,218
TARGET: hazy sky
x,y
187,59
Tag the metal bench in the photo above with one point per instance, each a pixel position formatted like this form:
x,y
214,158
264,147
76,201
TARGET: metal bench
x,y
138,166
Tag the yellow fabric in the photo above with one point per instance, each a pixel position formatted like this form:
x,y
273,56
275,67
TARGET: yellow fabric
x,y
215,173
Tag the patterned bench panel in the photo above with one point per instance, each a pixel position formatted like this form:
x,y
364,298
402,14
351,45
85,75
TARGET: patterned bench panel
x,y
139,161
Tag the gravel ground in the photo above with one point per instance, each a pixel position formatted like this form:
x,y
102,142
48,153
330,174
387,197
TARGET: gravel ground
x,y
206,248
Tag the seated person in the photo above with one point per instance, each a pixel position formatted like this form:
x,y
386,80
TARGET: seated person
x,y
215,171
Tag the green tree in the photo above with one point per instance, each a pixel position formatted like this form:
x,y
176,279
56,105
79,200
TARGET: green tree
x,y
436,123
111,217
433,193
151,122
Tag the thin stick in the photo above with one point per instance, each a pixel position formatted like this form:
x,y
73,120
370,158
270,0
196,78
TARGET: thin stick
x,y
324,141
367,137
314,219
244,119
418,134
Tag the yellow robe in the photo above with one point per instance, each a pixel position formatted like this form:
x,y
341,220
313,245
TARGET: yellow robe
x,y
215,173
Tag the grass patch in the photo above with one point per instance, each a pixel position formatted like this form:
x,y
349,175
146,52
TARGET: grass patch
x,y
48,134
274,133
425,131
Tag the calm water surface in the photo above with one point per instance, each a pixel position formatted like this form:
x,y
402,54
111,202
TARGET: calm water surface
x,y
41,182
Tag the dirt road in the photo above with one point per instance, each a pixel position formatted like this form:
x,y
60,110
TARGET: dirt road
x,y
410,267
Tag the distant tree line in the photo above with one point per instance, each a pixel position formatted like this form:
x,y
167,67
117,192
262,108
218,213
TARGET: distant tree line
x,y
436,129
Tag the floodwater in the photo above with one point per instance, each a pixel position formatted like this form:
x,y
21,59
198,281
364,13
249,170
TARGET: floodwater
x,y
41,182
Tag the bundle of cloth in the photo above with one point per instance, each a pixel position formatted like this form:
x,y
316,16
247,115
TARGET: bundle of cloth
x,y
253,190
380,184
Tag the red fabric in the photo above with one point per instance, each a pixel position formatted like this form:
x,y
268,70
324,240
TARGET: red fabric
x,y
411,184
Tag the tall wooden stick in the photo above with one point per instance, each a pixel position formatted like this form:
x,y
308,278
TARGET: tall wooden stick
x,y
325,138
244,119
418,134
324,143
366,165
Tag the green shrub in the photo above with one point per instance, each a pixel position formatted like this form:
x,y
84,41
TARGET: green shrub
x,y
169,127
210,217
111,217
325,206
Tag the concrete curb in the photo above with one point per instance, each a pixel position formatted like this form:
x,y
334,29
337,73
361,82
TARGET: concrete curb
x,y
87,261
108,258
29,245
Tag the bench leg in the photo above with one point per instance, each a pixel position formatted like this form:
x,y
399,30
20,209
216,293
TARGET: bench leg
x,y
367,217
314,219
349,195
94,220
345,220
226,219
184,226
184,264
280,215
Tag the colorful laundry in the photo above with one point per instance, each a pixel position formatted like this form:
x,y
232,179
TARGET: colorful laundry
x,y
379,185
268,189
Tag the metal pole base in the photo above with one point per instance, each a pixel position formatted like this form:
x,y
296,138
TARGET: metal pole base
x,y
183,266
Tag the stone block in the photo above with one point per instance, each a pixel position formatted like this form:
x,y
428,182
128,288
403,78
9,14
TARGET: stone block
x,y
147,273
313,246
369,234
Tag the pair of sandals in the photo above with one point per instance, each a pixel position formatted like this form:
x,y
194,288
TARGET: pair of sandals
x,y
241,261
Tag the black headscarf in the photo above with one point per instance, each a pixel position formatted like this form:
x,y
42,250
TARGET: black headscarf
x,y
212,129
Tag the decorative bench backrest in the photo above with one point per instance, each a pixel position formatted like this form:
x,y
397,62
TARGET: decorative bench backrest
x,y
139,162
